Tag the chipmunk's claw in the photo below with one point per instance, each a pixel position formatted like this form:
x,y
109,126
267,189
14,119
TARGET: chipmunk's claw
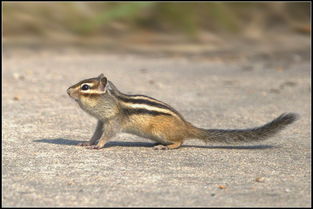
x,y
160,147
93,147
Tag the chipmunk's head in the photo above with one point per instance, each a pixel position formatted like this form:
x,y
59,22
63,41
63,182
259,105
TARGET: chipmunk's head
x,y
93,95
88,88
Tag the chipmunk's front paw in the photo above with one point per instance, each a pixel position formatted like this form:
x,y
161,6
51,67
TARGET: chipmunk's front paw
x,y
83,144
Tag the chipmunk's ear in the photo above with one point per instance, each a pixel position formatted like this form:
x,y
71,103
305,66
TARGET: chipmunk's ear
x,y
100,76
102,82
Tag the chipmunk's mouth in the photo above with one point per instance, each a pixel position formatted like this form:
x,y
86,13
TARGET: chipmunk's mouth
x,y
72,94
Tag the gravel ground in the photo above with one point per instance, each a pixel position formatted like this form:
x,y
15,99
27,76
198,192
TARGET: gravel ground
x,y
41,166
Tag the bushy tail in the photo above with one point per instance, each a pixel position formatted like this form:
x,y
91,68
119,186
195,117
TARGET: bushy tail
x,y
246,135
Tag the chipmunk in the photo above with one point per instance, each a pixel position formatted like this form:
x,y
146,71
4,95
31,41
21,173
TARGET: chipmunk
x,y
148,117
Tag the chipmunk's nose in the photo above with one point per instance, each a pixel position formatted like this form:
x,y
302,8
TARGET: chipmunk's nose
x,y
68,91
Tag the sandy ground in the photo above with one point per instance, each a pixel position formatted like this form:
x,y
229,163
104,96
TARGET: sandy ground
x,y
41,166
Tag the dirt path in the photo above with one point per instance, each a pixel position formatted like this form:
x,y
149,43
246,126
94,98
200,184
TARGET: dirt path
x,y
41,166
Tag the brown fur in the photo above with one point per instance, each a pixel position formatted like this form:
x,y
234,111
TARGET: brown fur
x,y
147,117
166,129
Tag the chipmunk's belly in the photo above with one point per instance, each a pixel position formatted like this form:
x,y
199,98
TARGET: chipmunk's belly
x,y
157,137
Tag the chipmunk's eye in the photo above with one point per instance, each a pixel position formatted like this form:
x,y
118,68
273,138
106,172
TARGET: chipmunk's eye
x,y
85,87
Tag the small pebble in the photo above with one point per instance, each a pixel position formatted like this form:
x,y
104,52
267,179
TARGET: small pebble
x,y
143,70
222,187
260,179
17,76
279,68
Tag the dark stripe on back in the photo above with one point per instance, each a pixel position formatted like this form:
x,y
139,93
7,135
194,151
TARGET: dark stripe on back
x,y
143,101
129,111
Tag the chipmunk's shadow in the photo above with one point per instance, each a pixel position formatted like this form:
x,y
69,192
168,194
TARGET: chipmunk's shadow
x,y
71,142
58,141
109,144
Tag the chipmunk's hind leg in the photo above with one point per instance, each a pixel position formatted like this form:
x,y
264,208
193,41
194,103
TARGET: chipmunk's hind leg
x,y
175,145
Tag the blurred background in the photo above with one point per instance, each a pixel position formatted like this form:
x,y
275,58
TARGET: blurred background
x,y
162,25
221,64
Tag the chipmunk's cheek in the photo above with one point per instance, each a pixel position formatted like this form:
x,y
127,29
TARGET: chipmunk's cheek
x,y
75,95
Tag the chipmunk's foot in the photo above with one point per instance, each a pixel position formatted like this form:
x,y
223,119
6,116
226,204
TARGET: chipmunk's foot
x,y
93,147
84,144
167,147
160,147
